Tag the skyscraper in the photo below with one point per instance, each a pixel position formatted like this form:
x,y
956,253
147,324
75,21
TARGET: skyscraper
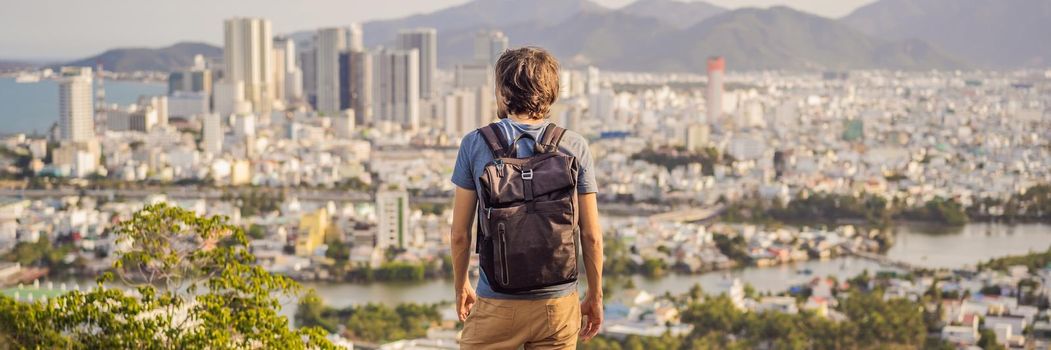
x,y
392,212
308,67
248,56
397,80
593,81
355,37
75,106
488,46
425,41
714,97
355,80
460,111
284,65
212,138
330,43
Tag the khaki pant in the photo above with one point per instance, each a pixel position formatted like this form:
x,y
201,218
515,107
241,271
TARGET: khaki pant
x,y
532,324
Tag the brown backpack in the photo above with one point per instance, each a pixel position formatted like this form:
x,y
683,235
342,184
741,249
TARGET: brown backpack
x,y
527,214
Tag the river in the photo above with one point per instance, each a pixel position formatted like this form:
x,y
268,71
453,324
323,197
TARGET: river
x,y
924,246
918,245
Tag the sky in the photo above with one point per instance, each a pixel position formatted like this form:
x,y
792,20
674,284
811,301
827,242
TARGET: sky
x,y
54,30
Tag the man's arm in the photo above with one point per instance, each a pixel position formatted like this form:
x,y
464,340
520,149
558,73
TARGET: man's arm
x,y
591,244
464,202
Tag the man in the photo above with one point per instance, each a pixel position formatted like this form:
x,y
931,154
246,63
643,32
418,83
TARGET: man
x,y
548,317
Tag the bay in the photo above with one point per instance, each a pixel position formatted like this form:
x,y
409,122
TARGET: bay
x,y
33,107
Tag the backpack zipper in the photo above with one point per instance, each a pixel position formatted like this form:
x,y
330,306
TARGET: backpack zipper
x,y
500,229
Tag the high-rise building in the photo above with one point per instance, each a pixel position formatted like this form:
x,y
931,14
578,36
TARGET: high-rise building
x,y
593,81
460,112
284,63
212,133
697,135
714,96
600,105
473,75
75,106
248,57
187,104
195,79
308,68
159,104
355,82
488,46
425,41
330,42
392,213
355,37
396,81
228,98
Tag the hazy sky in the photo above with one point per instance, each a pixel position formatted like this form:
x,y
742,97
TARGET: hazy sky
x,y
65,29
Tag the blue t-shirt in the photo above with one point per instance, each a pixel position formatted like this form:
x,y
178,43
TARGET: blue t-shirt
x,y
472,158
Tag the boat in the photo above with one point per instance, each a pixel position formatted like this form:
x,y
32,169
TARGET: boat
x,y
27,78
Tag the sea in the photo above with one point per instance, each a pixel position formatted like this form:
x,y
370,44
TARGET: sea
x,y
32,108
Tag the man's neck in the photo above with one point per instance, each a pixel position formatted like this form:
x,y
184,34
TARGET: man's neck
x,y
524,119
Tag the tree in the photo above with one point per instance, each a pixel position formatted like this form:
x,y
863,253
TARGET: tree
x,y
188,282
988,340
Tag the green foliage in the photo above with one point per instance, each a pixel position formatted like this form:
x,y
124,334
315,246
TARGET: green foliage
x,y
988,340
255,202
1033,205
1034,261
653,267
872,324
44,253
370,322
192,283
256,231
938,210
734,248
400,271
673,158
616,257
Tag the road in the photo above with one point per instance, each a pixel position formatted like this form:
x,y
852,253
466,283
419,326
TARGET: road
x,y
186,192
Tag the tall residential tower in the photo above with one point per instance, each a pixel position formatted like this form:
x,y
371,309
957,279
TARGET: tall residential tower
x,y
75,105
714,97
425,41
248,57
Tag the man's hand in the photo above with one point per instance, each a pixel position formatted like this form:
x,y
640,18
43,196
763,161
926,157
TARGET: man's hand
x,y
465,299
591,316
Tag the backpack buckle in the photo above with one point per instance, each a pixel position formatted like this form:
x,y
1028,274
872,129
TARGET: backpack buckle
x,y
527,174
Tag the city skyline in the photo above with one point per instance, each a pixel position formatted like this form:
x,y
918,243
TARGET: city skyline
x,y
46,36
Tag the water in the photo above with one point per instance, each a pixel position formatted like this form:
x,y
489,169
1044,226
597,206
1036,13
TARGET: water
x,y
965,246
968,245
33,107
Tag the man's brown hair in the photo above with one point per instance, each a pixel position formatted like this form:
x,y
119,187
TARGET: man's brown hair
x,y
527,79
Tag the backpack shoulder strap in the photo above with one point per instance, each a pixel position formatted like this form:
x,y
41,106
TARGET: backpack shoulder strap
x,y
494,138
551,138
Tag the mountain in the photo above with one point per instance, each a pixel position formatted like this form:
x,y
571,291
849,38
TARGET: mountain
x,y
991,33
480,14
164,59
649,35
682,14
606,39
8,65
783,38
